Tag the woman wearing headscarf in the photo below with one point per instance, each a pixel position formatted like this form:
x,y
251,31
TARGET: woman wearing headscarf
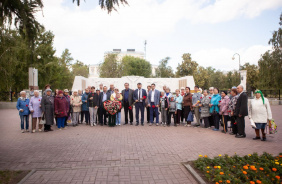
x,y
75,101
35,109
214,108
22,106
47,107
260,113
61,106
224,109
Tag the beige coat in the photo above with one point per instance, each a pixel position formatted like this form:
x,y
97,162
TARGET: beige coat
x,y
76,100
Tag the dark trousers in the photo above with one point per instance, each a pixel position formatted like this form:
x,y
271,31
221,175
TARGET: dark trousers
x,y
139,106
169,117
183,115
234,125
241,125
216,120
126,111
47,127
211,121
154,111
178,116
86,115
225,121
186,110
207,122
148,114
103,116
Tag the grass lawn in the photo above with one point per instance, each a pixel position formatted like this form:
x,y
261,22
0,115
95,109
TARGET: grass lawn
x,y
12,177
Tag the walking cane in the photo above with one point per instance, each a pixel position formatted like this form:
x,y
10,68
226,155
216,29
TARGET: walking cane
x,y
223,123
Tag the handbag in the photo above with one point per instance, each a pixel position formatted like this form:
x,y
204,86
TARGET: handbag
x,y
253,123
42,121
272,127
190,117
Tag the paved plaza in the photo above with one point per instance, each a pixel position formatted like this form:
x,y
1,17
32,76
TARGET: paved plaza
x,y
125,154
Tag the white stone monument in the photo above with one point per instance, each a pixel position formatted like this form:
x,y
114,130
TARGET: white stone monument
x,y
80,83
33,78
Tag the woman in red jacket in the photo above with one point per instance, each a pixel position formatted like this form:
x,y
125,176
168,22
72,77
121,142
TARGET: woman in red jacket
x,y
61,109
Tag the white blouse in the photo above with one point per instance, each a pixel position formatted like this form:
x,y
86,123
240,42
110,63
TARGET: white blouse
x,y
259,112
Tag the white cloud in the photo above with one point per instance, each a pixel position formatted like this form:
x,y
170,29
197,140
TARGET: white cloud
x,y
221,58
88,34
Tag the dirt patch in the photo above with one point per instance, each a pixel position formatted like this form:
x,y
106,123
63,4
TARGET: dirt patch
x,y
12,177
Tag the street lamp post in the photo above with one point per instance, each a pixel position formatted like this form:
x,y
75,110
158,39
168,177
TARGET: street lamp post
x,y
233,58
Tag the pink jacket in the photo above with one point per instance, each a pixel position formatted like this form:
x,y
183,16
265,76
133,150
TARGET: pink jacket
x,y
224,105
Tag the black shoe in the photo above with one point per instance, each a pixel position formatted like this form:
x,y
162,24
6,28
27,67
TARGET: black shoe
x,y
136,124
125,123
231,133
255,138
131,123
223,131
105,124
45,130
263,139
142,124
175,125
240,136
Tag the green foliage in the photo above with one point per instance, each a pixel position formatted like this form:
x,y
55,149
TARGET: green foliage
x,y
80,69
164,71
110,68
252,76
251,168
135,66
109,5
187,67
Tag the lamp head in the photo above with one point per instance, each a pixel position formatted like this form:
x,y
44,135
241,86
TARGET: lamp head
x,y
233,58
38,57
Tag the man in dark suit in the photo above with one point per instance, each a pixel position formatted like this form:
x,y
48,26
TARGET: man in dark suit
x,y
104,96
111,90
241,111
154,101
127,103
139,96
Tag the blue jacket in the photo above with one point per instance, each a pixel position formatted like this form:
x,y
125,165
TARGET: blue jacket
x,y
215,101
84,106
179,100
156,97
135,95
23,105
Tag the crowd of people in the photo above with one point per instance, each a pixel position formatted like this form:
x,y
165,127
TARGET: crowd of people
x,y
211,108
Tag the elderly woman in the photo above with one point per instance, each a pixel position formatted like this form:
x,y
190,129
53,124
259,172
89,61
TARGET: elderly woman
x,y
116,96
168,93
214,108
35,109
224,109
84,107
93,103
22,106
178,100
47,107
260,113
187,105
231,109
61,109
205,109
75,101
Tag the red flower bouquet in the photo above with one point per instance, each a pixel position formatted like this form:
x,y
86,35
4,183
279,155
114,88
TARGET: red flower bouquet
x,y
26,105
153,106
39,100
209,97
219,101
144,97
112,107
130,108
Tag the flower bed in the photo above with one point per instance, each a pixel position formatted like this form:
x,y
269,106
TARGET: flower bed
x,y
252,169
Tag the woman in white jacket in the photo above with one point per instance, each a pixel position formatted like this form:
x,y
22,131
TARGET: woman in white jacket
x,y
260,113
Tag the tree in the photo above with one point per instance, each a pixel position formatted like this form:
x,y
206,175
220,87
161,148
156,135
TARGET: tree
x,y
135,66
110,68
164,71
187,67
252,76
201,77
109,5
80,69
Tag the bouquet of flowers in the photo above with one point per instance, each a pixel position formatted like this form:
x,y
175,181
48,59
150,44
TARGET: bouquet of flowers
x,y
112,107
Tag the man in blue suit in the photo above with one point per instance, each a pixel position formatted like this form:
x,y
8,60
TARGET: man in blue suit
x,y
139,97
154,101
104,96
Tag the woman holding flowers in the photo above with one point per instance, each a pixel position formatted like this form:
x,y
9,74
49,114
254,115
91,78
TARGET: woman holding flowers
x,y
205,108
116,118
260,113
214,108
224,109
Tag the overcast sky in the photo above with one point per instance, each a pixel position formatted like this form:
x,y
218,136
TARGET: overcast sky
x,y
211,30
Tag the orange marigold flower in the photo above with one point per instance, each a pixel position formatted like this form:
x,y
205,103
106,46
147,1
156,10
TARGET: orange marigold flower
x,y
258,181
208,171
221,173
277,177
261,169
206,156
252,182
244,172
215,167
274,169
246,167
227,181
234,166
216,183
280,156
220,181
